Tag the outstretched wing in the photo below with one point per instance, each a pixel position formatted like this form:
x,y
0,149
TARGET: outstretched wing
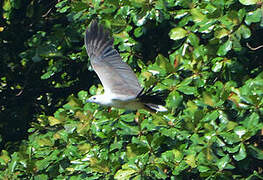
x,y
116,76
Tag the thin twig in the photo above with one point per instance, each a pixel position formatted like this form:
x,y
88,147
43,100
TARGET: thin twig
x,y
254,49
44,15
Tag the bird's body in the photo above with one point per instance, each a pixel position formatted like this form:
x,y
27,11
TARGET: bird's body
x,y
129,104
121,86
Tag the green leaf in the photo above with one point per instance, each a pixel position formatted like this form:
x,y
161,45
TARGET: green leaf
x,y
223,49
197,15
164,64
230,138
127,129
245,31
177,33
6,5
241,154
93,90
83,95
255,152
253,16
169,132
64,9
4,158
181,167
123,174
211,116
240,131
61,4
138,32
191,160
168,156
221,32
222,163
41,177
173,99
172,155
53,121
188,90
203,168
217,66
252,122
248,2
180,14
234,149
128,117
207,27
193,39
210,8
140,18
178,155
47,75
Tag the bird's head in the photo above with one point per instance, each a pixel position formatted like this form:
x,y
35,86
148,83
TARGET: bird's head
x,y
98,99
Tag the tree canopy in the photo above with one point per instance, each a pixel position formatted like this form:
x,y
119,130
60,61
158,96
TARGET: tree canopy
x,y
206,54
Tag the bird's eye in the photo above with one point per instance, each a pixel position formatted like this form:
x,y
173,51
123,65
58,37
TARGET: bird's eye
x,y
94,98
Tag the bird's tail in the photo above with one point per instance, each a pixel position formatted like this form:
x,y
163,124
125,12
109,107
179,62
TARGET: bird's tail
x,y
154,107
153,101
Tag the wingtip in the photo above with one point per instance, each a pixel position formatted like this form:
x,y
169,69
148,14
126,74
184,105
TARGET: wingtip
x,y
96,30
92,27
93,23
96,39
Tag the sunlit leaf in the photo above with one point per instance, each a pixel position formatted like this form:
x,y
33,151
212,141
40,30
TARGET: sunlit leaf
x,y
124,174
222,163
253,16
177,33
248,2
241,154
223,49
217,66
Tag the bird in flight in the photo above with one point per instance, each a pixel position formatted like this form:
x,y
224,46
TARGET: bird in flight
x,y
121,87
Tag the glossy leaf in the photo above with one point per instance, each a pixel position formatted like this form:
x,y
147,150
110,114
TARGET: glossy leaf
x,y
177,33
253,17
223,49
124,173
241,154
248,2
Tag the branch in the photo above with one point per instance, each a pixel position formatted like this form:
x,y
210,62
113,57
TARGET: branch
x,y
254,49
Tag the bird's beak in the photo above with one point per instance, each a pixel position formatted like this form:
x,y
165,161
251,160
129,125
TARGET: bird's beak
x,y
88,101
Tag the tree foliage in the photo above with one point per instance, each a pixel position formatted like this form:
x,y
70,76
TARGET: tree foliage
x,y
206,54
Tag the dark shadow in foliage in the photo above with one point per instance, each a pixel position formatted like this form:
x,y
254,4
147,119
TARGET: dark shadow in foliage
x,y
155,40
25,95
